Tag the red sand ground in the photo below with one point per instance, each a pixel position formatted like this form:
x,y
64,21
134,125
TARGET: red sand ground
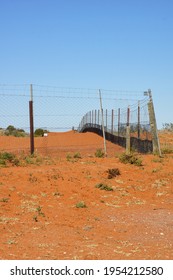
x,y
38,214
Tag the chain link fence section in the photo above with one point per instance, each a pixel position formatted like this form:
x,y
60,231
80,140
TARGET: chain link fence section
x,y
115,122
60,109
14,117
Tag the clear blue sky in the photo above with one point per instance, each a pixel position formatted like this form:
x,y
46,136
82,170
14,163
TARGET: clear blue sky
x,y
112,44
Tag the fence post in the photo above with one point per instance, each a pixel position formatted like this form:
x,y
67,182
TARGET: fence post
x,y
31,117
128,132
118,123
103,129
153,125
112,122
98,117
139,119
106,120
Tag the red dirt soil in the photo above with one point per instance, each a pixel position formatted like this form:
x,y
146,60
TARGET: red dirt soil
x,y
38,214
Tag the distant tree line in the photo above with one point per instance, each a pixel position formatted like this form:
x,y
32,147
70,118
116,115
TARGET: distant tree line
x,y
19,132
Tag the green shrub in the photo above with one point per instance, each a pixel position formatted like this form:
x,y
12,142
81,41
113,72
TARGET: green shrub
x,y
99,153
7,156
40,132
131,159
81,204
104,187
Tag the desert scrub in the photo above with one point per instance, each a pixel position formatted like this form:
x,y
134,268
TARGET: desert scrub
x,y
131,159
113,172
77,155
39,210
6,157
33,159
99,153
167,150
74,157
4,199
104,187
68,157
81,204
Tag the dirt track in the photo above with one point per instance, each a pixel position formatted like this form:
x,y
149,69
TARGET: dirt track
x,y
38,214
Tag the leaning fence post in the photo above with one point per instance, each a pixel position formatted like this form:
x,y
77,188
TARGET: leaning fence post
x,y
31,117
153,125
128,132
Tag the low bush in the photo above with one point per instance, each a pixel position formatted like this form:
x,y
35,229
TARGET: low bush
x,y
77,155
6,157
99,153
104,187
113,172
131,159
81,204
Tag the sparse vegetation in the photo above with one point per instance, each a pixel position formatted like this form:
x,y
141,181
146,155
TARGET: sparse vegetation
x,y
131,159
113,173
81,204
167,150
4,199
104,187
77,155
39,210
8,158
17,132
99,153
68,157
35,218
74,157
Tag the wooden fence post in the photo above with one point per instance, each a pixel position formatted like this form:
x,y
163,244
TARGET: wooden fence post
x,y
31,118
153,126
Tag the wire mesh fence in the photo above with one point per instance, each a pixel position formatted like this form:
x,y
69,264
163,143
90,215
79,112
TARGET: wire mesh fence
x,y
59,109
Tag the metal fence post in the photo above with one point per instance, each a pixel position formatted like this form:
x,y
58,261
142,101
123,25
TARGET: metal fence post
x,y
112,122
31,117
128,132
118,123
